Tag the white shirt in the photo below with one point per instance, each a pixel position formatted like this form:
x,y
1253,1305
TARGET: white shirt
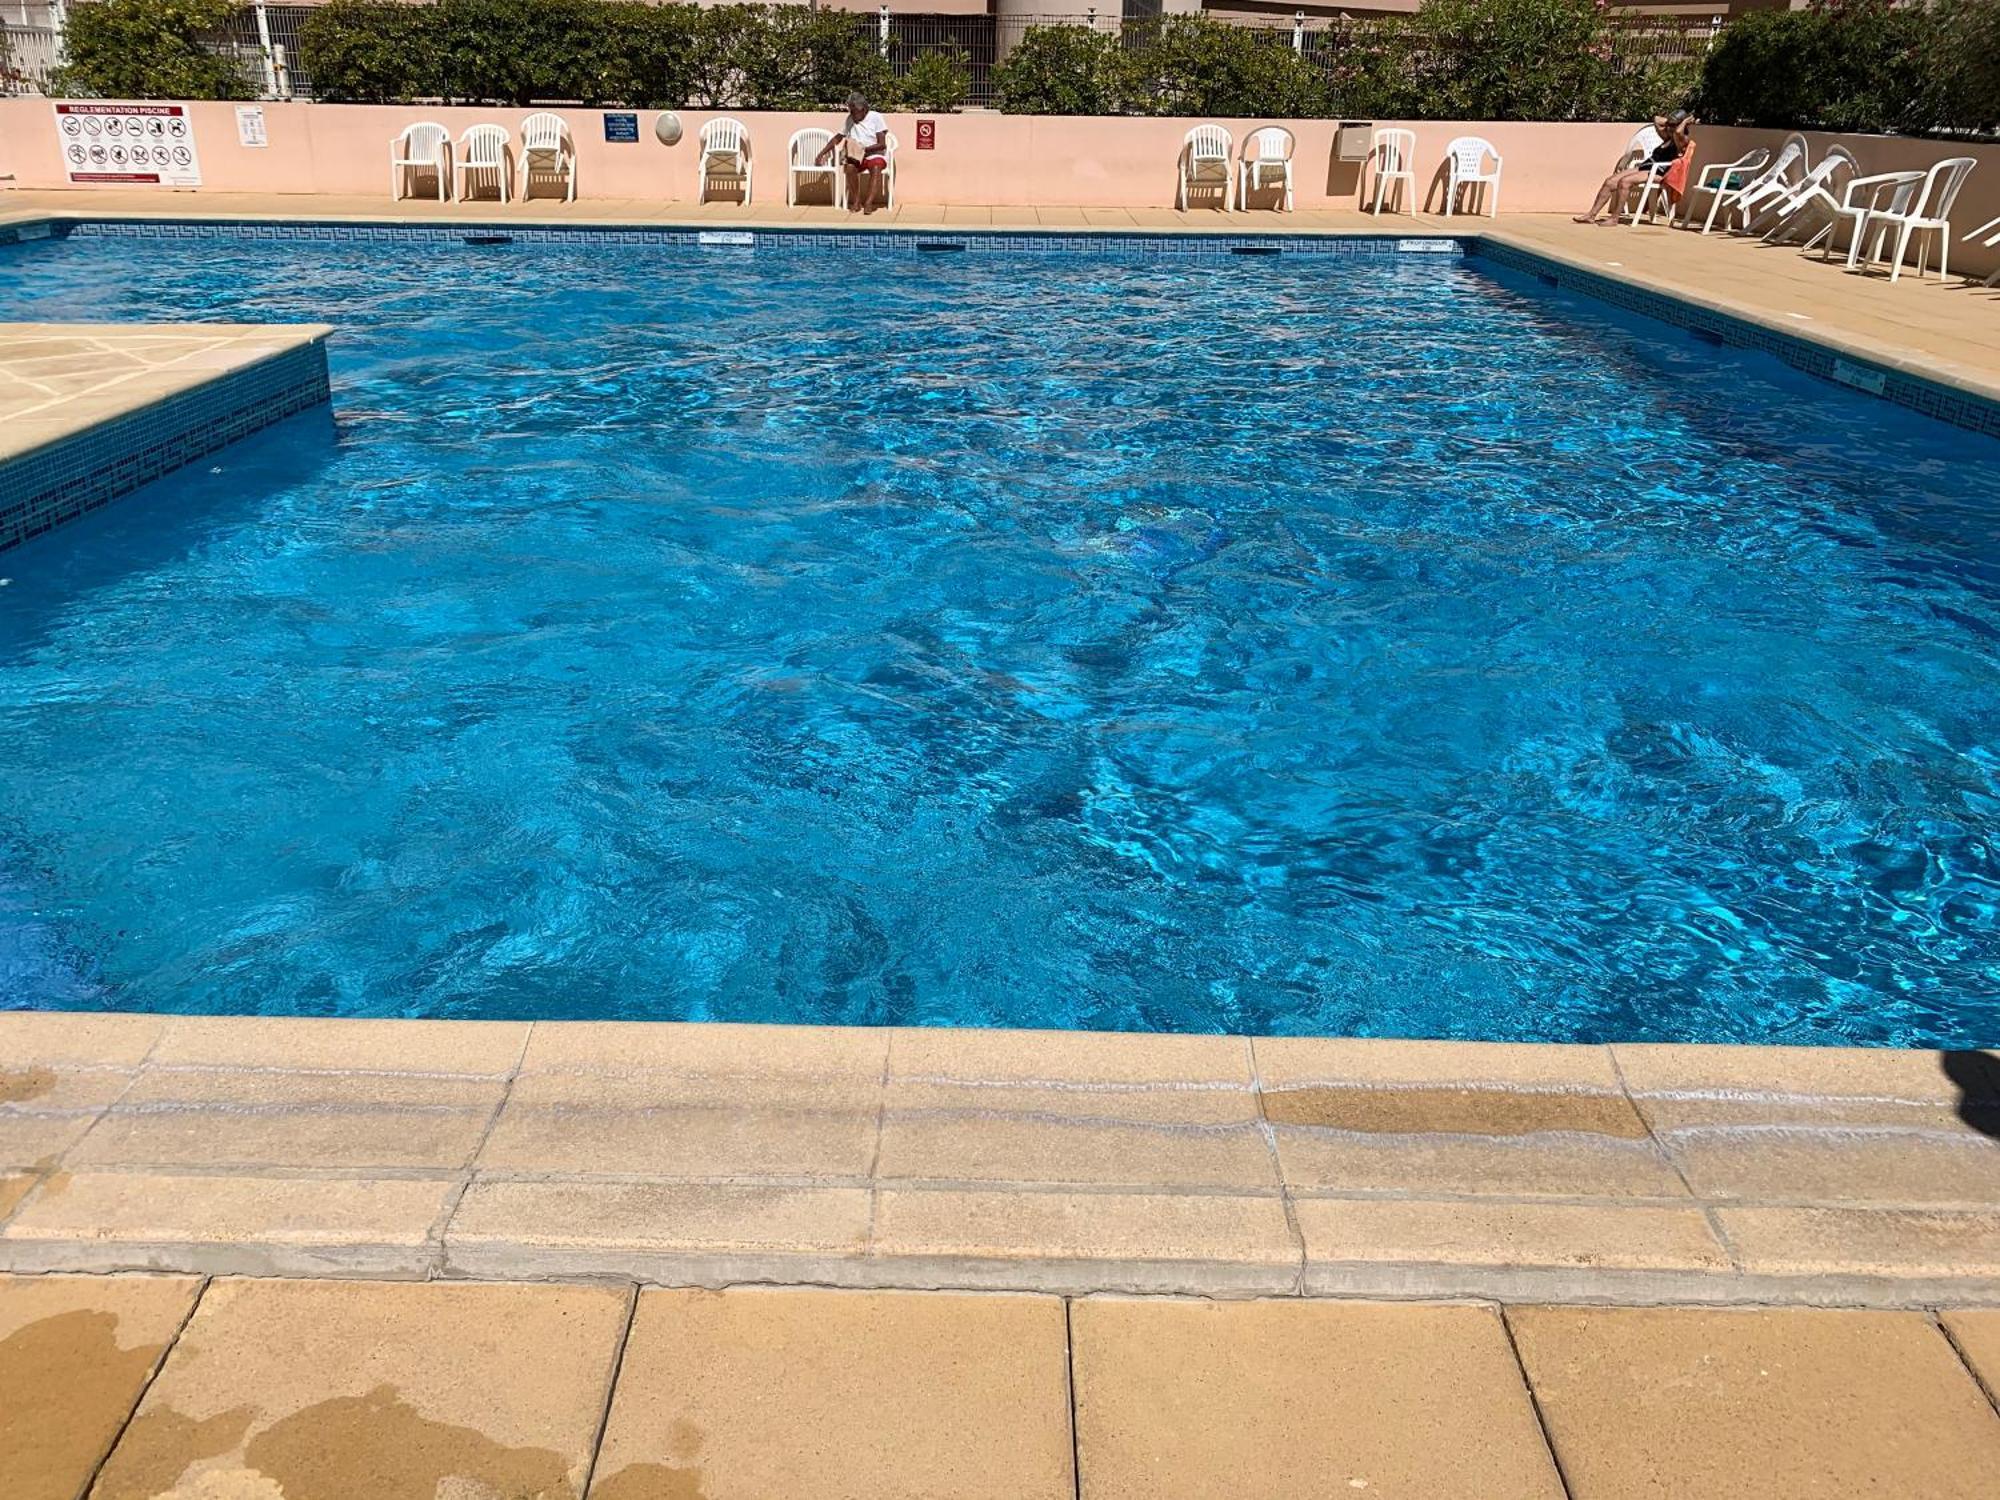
x,y
867,132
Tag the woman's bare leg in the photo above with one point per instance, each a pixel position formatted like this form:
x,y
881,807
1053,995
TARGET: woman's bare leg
x,y
1603,200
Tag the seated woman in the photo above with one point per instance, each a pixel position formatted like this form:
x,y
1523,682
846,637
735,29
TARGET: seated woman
x,y
1676,132
867,158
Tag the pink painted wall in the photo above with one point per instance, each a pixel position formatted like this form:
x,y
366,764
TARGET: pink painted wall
x,y
981,159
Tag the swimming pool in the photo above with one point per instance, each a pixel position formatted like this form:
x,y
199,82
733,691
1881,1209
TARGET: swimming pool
x,y
1378,645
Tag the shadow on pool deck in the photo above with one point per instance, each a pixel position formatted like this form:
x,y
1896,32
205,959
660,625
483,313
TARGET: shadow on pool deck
x,y
1977,1075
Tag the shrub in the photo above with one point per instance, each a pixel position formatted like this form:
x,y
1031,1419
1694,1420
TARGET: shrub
x,y
795,58
364,52
1859,66
1066,70
938,80
1197,66
1964,64
149,49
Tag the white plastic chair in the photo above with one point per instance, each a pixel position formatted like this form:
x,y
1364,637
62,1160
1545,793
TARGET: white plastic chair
x,y
889,144
1720,177
725,152
1639,150
547,150
1988,234
1465,167
1204,160
482,151
420,147
803,165
1823,188
1885,192
1271,162
1929,215
1394,155
1745,202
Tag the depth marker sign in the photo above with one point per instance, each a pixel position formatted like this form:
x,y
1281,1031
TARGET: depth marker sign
x,y
140,144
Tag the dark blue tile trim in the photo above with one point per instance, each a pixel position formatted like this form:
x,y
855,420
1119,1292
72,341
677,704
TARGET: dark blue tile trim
x,y
63,480
1933,398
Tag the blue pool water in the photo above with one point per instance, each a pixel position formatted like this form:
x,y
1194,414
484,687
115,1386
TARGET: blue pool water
x,y
1383,646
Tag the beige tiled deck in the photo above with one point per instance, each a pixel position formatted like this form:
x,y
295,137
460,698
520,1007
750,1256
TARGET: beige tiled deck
x,y
713,1154
59,379
175,1388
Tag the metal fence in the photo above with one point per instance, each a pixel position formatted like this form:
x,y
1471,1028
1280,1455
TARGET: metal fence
x,y
264,40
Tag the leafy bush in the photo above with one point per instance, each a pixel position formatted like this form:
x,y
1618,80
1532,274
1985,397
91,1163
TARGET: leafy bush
x,y
937,80
366,52
795,58
1197,66
1963,60
149,49
1859,66
1066,70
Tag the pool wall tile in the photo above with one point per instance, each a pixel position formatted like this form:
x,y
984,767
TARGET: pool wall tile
x,y
73,475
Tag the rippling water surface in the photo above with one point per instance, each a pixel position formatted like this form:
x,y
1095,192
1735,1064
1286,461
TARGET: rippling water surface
x,y
1296,645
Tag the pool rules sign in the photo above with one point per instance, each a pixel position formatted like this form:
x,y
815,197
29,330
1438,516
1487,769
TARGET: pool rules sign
x,y
139,144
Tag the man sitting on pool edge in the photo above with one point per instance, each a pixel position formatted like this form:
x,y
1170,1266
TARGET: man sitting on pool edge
x,y
861,138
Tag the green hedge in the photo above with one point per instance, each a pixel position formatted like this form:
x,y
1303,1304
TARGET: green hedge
x,y
149,49
1864,65
1451,60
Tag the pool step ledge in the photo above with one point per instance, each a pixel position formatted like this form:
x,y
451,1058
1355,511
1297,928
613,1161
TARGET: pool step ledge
x,y
713,1154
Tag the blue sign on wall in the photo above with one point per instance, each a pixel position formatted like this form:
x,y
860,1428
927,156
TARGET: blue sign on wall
x,y
621,127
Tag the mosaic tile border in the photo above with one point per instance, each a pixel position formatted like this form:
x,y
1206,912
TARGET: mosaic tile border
x,y
1947,403
63,480
1105,244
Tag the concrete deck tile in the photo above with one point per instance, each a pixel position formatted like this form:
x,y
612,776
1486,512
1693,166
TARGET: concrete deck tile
x,y
1057,1240
1135,1137
383,1390
31,1037
547,1228
45,1109
486,1049
1936,1161
227,1118
13,1188
1093,1058
1976,1332
1546,1165
118,1220
1765,1404
1743,1073
75,1352
1285,1063
706,1047
1508,1235
1864,1241
677,1125
755,1394
1292,1400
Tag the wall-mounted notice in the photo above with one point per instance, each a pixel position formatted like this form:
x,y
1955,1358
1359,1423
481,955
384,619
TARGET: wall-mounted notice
x,y
250,129
128,143
927,135
621,127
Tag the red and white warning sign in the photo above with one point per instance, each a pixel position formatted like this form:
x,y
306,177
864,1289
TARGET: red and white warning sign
x,y
133,144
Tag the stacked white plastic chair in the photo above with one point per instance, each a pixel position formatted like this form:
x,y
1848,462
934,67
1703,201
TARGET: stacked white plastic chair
x,y
1266,159
482,152
725,152
1988,234
1721,177
1744,202
547,150
1466,170
1394,157
419,148
1927,218
1780,218
1205,163
802,165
